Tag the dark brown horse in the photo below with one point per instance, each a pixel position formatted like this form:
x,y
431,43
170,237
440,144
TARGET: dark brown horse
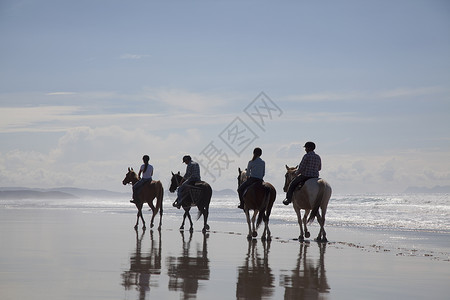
x,y
314,194
148,192
260,199
202,192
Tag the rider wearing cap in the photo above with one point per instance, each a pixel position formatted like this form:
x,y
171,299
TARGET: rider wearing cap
x,y
308,168
191,176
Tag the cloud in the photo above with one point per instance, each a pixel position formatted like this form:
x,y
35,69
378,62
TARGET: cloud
x,y
399,93
14,119
178,100
133,56
61,94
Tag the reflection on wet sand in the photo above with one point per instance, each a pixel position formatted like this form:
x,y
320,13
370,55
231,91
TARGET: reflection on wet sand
x,y
308,279
188,268
143,265
255,278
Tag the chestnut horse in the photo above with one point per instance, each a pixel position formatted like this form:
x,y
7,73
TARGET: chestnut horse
x,y
202,191
260,199
148,192
314,194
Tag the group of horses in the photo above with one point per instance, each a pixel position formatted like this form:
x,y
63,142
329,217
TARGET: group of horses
x,y
313,198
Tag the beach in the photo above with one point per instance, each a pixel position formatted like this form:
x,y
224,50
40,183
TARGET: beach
x,y
88,253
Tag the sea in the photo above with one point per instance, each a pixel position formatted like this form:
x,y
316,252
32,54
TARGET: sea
x,y
405,212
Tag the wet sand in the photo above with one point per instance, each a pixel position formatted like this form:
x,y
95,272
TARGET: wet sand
x,y
75,254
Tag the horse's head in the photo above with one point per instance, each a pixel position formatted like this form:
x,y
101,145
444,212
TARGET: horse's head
x,y
290,174
242,176
175,181
130,177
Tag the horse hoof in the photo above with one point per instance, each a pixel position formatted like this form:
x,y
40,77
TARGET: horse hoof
x,y
181,227
301,238
269,238
263,238
151,225
191,230
143,227
207,227
135,227
307,234
249,237
254,234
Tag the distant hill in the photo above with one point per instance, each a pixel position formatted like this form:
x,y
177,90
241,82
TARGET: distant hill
x,y
56,193
436,189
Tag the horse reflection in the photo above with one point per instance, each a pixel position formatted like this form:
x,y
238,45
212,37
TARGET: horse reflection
x,y
255,277
143,265
186,270
308,280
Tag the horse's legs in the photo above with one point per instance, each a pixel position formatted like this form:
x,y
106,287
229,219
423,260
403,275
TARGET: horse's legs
x,y
322,237
160,216
266,232
184,218
190,221
247,215
301,238
305,221
139,215
255,213
153,215
205,213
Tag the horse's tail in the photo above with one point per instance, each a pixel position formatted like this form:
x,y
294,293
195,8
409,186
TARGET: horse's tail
x,y
269,199
205,199
317,201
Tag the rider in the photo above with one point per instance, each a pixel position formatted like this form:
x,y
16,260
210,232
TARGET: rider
x,y
190,178
147,172
308,168
256,169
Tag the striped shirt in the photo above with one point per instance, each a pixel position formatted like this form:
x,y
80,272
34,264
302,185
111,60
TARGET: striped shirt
x,y
310,165
192,171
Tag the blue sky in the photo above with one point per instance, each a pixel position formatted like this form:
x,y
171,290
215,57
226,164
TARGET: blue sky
x,y
88,87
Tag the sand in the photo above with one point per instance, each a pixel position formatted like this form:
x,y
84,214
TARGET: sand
x,y
75,254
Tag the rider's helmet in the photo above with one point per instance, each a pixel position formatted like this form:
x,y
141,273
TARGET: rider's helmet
x,y
186,158
310,145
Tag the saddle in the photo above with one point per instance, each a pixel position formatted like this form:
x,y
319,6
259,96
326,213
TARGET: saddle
x,y
300,185
257,182
195,191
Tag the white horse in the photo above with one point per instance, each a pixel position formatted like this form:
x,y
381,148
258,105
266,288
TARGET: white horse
x,y
314,194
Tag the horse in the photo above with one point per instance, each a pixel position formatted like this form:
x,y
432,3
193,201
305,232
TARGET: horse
x,y
314,194
260,199
148,192
202,192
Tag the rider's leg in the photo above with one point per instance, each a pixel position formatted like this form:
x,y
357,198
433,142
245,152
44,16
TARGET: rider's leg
x,y
292,186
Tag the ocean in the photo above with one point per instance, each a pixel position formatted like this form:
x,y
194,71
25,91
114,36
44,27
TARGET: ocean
x,y
405,212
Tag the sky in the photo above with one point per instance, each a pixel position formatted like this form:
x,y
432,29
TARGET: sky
x,y
88,87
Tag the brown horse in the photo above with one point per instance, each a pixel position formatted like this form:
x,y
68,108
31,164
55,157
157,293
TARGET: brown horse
x,y
260,199
202,192
147,193
314,194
